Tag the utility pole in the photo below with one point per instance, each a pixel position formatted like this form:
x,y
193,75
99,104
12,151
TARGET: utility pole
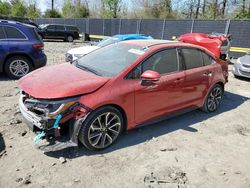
x,y
52,4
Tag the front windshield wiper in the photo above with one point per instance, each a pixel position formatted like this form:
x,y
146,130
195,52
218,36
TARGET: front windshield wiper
x,y
87,69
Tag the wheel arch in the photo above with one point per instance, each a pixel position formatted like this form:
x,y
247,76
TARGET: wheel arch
x,y
221,84
118,107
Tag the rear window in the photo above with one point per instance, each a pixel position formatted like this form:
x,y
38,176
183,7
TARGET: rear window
x,y
2,35
35,34
192,58
13,33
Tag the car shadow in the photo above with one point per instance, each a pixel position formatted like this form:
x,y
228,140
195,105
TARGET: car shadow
x,y
243,78
143,134
2,143
4,77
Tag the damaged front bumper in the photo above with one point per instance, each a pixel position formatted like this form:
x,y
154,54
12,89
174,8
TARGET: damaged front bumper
x,y
48,124
30,118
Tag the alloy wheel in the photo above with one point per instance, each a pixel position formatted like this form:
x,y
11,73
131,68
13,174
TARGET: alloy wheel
x,y
104,130
19,68
214,99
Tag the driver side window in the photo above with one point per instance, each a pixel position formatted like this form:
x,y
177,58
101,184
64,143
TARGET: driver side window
x,y
163,62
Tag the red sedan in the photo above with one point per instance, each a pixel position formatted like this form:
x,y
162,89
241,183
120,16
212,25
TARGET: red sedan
x,y
120,87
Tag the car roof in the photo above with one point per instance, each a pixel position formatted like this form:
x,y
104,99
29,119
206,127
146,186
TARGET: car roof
x,y
59,24
164,43
149,43
15,23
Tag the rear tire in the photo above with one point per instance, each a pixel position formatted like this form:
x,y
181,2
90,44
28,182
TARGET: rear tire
x,y
70,38
17,66
213,99
223,57
101,128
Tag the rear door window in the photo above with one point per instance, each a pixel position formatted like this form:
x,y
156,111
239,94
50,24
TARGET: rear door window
x,y
13,33
51,27
192,58
59,28
71,28
2,34
207,60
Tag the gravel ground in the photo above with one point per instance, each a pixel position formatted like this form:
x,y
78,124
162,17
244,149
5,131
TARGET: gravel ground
x,y
193,150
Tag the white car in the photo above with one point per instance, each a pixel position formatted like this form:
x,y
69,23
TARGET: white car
x,y
76,53
242,67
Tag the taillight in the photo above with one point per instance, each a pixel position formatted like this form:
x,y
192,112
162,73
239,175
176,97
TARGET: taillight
x,y
39,46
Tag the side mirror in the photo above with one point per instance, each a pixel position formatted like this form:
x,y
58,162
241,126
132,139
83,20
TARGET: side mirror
x,y
149,77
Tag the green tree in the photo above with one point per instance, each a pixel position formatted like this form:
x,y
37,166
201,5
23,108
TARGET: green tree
x,y
77,10
5,8
68,9
33,12
18,8
81,10
111,8
52,14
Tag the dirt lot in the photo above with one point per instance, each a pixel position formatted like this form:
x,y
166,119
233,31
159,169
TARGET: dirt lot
x,y
192,150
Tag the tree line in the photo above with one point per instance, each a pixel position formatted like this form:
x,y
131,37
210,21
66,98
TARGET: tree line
x,y
151,9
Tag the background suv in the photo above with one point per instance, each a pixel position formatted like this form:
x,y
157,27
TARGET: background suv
x,y
56,31
21,49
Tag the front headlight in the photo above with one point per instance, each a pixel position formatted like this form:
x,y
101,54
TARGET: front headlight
x,y
49,107
60,108
78,55
68,57
238,61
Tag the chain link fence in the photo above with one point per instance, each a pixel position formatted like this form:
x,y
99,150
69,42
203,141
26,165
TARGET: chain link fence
x,y
159,28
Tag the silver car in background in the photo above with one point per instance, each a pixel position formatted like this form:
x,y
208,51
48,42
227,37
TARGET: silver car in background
x,y
242,66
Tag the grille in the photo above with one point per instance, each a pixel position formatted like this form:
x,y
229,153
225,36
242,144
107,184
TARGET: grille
x,y
245,73
247,66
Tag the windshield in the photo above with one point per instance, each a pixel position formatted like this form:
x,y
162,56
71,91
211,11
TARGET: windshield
x,y
110,60
107,41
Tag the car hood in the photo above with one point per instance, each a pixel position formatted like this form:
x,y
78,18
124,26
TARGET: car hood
x,y
83,50
245,59
59,81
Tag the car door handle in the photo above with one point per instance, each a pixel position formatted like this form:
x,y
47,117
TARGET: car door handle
x,y
208,74
178,80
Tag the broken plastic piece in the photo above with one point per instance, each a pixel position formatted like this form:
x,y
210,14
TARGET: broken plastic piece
x,y
39,136
56,124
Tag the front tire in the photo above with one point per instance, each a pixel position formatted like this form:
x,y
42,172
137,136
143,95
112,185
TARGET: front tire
x,y
17,67
213,99
101,128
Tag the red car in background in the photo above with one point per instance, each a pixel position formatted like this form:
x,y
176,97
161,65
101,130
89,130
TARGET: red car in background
x,y
120,87
217,43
